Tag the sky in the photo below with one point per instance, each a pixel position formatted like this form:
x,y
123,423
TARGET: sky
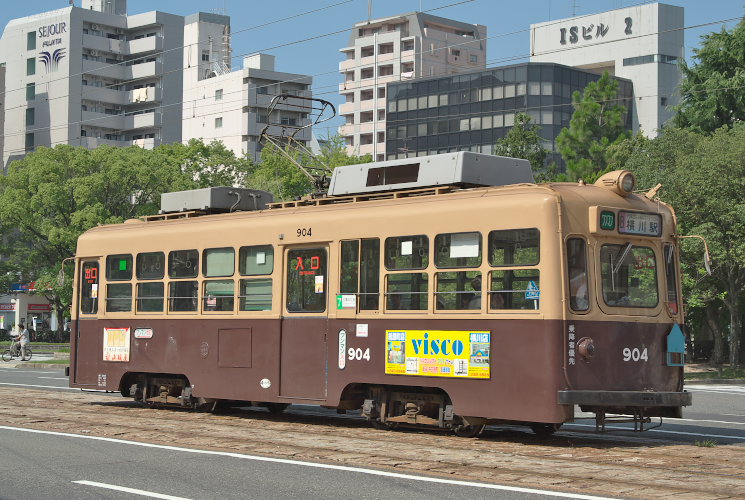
x,y
322,33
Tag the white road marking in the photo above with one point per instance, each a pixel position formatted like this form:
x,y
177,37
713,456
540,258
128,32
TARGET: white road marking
x,y
719,389
54,378
656,431
129,490
286,461
42,386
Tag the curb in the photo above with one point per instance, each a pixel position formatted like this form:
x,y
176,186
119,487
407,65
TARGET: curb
x,y
44,366
714,381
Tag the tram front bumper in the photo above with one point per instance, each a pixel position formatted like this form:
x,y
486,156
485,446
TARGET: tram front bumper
x,y
624,399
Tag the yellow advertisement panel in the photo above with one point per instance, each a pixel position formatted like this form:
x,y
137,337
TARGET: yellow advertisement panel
x,y
116,344
437,353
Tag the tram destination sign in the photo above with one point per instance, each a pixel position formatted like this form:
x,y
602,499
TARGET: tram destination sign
x,y
639,224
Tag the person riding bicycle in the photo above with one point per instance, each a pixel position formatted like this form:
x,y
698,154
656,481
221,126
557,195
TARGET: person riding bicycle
x,y
23,338
20,340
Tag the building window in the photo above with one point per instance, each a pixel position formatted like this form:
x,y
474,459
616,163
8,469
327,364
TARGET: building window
x,y
30,116
218,122
206,55
31,66
474,58
30,141
218,95
31,40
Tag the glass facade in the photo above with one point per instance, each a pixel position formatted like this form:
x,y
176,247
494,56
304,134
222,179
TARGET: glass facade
x,y
472,111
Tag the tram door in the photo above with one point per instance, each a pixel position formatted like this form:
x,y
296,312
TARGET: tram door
x,y
87,343
303,363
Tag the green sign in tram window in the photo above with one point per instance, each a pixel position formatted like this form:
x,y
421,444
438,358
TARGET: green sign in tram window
x,y
607,220
122,265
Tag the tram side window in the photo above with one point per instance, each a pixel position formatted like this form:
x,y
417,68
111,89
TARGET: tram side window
x,y
360,271
256,260
579,299
218,262
119,267
119,297
407,252
150,297
183,296
306,280
671,276
151,265
458,250
219,295
407,291
458,290
183,264
256,294
629,276
514,247
515,289
89,288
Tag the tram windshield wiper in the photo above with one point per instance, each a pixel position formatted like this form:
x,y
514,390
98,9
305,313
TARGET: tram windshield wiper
x,y
621,256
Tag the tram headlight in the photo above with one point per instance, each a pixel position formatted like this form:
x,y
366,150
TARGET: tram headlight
x,y
628,183
621,182
586,348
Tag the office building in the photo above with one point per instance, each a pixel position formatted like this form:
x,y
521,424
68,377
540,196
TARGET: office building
x,y
90,76
642,43
472,111
392,49
232,106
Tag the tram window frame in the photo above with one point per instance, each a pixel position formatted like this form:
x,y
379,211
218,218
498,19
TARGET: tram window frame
x,y
359,272
671,278
217,261
444,245
508,299
397,300
150,265
419,247
245,302
89,283
578,274
460,299
175,263
248,257
114,297
519,234
113,274
627,300
183,300
143,300
298,284
223,303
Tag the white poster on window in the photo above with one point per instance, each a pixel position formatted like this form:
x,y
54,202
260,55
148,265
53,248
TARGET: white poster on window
x,y
406,247
260,258
464,245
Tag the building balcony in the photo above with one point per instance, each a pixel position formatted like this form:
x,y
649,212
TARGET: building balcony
x,y
94,142
144,45
348,108
122,72
121,97
347,65
122,122
104,44
149,143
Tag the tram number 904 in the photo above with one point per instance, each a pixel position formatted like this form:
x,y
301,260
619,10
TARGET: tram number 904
x,y
635,354
304,231
359,354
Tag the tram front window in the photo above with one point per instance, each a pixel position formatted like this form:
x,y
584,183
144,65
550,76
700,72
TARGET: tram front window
x,y
629,276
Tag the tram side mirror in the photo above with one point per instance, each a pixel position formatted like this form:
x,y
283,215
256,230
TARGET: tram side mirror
x,y
707,262
61,277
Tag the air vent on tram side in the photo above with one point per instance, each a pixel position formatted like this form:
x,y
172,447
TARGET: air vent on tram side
x,y
215,200
459,169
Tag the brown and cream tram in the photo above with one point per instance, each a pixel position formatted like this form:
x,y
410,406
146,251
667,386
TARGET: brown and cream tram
x,y
446,290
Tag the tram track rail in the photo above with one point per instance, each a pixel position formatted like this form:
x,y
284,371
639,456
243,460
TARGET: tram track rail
x,y
628,468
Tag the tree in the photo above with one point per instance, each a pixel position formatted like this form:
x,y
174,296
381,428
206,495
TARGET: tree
x,y
597,123
703,179
523,141
50,197
278,175
712,91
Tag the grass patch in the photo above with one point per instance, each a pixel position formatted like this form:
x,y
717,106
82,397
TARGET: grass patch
x,y
706,443
727,372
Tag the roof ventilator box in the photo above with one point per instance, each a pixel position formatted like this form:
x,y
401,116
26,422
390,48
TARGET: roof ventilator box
x,y
215,200
462,168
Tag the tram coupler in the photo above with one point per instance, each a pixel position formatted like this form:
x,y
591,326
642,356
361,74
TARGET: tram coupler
x,y
638,419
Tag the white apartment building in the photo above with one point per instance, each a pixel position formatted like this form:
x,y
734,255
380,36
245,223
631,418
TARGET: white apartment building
x,y
642,43
398,48
2,111
90,76
232,106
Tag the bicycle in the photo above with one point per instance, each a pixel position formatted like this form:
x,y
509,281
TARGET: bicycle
x,y
14,351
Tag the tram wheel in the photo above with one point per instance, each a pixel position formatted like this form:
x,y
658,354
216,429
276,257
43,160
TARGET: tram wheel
x,y
545,430
468,431
275,408
383,426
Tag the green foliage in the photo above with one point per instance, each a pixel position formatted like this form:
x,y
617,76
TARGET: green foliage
x,y
706,443
53,195
523,141
703,178
278,175
713,90
596,125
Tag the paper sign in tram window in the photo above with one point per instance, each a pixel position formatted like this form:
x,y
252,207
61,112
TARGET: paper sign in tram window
x,y
406,247
260,258
464,245
319,284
